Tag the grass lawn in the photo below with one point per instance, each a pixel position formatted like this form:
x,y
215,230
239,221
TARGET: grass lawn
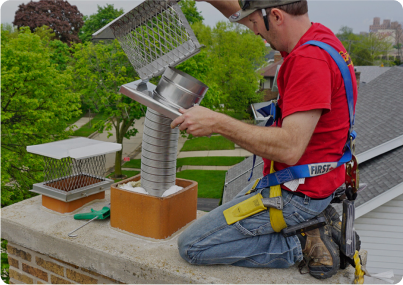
x,y
211,182
128,173
205,161
205,143
87,130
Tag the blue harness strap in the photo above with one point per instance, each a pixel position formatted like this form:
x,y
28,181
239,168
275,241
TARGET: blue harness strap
x,y
314,169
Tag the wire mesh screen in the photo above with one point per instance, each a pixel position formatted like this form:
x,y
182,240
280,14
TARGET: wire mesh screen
x,y
69,174
155,35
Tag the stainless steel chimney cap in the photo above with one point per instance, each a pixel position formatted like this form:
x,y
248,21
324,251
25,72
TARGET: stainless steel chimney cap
x,y
77,148
154,35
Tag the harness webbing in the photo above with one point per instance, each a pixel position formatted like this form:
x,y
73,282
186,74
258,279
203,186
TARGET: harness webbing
x,y
315,169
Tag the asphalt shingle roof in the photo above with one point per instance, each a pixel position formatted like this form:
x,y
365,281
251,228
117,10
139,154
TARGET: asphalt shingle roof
x,y
369,73
379,108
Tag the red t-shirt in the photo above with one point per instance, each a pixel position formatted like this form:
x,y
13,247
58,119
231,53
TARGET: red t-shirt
x,y
310,79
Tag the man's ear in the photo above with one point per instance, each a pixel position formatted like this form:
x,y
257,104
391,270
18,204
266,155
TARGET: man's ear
x,y
277,16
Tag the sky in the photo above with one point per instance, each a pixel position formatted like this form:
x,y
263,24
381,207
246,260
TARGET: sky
x,y
333,14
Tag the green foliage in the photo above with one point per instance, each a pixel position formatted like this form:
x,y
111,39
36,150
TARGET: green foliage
x,y
60,54
204,161
45,33
59,51
99,71
35,107
96,21
205,143
211,182
236,52
4,262
190,11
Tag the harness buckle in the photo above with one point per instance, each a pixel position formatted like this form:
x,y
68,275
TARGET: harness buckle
x,y
253,189
275,202
352,174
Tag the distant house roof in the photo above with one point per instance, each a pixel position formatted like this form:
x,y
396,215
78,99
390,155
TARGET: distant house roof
x,y
369,73
270,70
379,125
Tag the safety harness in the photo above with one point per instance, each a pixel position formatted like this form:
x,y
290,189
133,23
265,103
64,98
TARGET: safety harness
x,y
275,178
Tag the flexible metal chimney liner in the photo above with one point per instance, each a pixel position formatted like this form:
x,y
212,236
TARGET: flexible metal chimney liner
x,y
156,36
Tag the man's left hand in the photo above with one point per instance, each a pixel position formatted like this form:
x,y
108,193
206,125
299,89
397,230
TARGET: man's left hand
x,y
197,121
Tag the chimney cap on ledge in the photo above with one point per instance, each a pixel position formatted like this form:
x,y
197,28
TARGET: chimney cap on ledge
x,y
77,148
126,257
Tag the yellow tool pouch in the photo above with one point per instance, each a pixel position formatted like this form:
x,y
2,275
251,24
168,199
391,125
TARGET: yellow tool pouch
x,y
276,216
246,208
254,205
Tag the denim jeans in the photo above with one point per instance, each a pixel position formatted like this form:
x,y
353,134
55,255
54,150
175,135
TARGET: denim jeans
x,y
250,242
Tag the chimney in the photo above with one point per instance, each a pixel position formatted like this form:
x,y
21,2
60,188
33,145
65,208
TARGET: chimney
x,y
357,77
277,57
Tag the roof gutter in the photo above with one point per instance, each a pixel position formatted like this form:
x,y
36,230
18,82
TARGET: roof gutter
x,y
379,200
380,149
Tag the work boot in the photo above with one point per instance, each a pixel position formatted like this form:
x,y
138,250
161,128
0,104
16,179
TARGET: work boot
x,y
323,254
333,219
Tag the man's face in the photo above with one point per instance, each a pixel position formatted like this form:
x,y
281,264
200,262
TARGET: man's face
x,y
259,29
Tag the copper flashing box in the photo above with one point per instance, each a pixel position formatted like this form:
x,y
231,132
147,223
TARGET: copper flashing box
x,y
151,216
74,172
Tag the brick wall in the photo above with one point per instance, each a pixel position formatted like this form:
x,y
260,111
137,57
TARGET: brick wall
x,y
30,267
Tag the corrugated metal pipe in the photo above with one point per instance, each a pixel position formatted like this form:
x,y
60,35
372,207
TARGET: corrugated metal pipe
x,y
160,143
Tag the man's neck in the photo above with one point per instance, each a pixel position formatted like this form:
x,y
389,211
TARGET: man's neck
x,y
299,26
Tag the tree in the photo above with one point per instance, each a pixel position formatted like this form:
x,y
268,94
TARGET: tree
x,y
64,19
96,21
364,49
190,11
351,42
35,107
236,54
99,71
399,43
377,45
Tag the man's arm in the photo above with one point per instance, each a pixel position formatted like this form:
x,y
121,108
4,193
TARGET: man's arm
x,y
286,144
229,7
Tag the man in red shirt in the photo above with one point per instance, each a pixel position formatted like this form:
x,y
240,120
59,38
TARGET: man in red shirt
x,y
313,128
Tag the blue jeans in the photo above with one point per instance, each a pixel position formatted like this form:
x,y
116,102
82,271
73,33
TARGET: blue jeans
x,y
250,242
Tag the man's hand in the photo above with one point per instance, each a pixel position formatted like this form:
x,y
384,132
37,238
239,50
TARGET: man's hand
x,y
197,121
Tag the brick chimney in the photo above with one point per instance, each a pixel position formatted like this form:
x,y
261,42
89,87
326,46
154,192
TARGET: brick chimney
x,y
277,57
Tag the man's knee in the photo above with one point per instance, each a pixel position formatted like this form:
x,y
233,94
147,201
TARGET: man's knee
x,y
183,247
